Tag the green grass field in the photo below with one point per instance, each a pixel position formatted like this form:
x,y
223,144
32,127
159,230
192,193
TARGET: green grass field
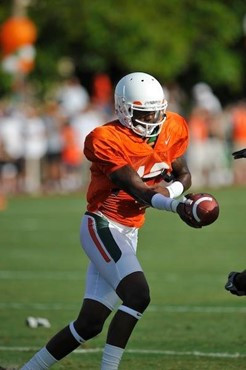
x,y
192,323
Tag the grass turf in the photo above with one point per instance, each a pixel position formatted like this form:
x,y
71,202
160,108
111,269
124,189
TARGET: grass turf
x,y
42,273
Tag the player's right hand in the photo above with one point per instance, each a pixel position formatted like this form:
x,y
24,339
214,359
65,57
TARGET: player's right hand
x,y
239,154
231,285
184,211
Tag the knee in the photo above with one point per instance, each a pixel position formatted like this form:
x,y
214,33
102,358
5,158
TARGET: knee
x,y
138,299
88,327
134,291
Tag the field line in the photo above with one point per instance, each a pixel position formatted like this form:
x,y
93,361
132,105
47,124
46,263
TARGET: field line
x,y
151,308
139,351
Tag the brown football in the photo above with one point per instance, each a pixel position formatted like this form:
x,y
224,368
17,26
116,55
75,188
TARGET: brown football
x,y
205,208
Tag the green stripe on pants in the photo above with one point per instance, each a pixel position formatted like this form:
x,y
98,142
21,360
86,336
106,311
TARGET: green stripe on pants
x,y
106,236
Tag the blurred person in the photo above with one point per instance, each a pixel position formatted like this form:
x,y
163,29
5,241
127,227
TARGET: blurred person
x,y
72,97
219,169
176,97
238,119
83,123
208,147
12,151
52,160
129,158
35,149
205,98
71,158
102,92
197,151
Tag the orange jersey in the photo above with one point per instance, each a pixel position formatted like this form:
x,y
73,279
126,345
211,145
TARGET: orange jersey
x,y
112,146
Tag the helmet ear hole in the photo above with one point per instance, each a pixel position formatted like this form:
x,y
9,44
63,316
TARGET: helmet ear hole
x,y
140,92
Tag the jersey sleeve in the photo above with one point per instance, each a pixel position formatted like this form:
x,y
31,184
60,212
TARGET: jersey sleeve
x,y
105,151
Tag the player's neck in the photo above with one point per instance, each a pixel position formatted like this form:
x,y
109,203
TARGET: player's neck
x,y
152,140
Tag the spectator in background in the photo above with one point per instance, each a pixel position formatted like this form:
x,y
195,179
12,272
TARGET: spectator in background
x,y
204,97
12,151
207,151
71,159
176,97
102,95
52,165
197,151
83,123
238,118
72,97
35,148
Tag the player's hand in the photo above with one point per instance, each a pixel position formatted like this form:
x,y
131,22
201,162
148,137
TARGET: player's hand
x,y
230,284
184,211
239,154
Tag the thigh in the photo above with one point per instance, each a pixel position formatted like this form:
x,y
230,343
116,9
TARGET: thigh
x,y
98,289
110,247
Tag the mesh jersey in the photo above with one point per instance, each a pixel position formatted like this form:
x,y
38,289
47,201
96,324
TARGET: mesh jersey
x,y
112,146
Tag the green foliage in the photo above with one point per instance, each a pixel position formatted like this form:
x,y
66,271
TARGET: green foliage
x,y
166,38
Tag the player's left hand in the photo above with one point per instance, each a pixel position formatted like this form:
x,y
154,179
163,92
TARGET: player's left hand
x,y
184,211
230,284
239,154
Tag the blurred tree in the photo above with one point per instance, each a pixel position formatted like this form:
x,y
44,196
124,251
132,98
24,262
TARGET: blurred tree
x,y
190,39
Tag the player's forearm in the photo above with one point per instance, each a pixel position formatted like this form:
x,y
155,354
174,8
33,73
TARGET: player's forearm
x,y
185,179
181,173
176,188
128,180
173,190
161,201
149,197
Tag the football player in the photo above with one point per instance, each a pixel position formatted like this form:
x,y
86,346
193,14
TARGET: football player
x,y
236,283
129,157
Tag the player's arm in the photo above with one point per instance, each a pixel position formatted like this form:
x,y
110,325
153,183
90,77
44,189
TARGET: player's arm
x,y
127,179
181,179
239,154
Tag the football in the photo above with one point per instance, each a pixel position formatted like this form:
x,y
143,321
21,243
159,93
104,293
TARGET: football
x,y
205,208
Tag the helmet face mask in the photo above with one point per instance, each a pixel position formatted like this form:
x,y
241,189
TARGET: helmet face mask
x,y
149,123
140,104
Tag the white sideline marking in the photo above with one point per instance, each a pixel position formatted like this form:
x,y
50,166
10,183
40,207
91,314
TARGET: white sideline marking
x,y
139,351
47,275
79,275
151,308
196,309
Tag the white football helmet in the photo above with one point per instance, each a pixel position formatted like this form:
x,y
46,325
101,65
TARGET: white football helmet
x,y
140,104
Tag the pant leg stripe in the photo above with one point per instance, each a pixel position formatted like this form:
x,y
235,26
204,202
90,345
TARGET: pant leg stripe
x,y
106,237
96,241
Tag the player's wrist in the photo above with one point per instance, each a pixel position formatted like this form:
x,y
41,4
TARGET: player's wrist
x,y
175,189
161,202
